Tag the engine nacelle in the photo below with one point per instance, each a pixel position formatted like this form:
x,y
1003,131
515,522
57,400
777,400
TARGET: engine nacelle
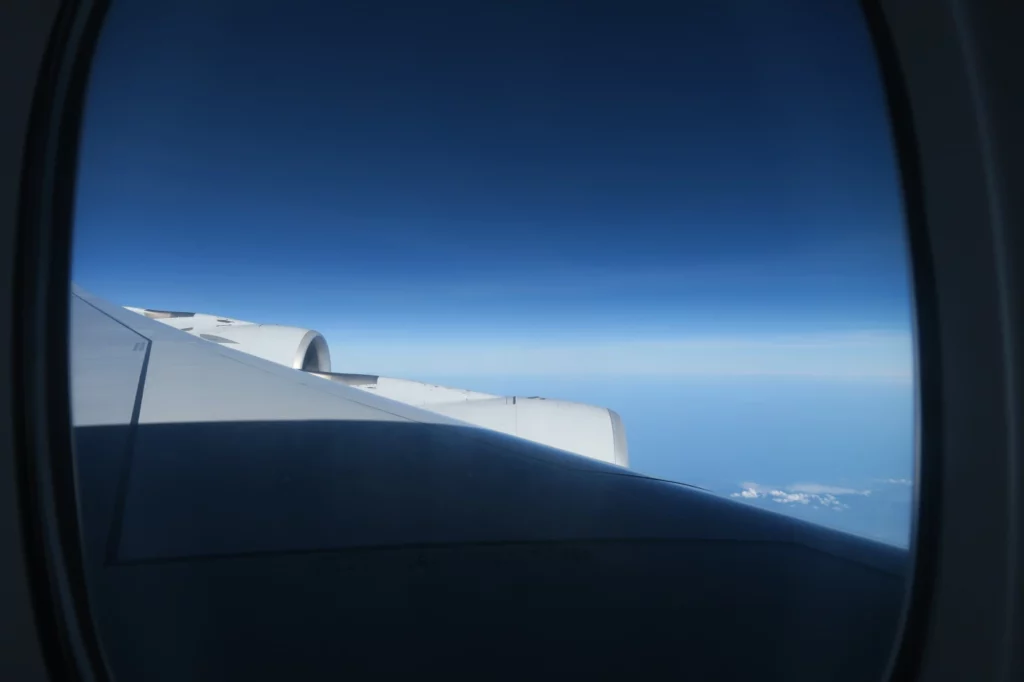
x,y
295,347
587,430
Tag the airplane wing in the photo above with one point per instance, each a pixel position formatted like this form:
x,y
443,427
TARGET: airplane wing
x,y
312,525
588,430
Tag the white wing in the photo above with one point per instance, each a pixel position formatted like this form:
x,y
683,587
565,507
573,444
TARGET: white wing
x,y
588,430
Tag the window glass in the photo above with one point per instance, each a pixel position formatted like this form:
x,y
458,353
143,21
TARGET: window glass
x,y
689,215
651,240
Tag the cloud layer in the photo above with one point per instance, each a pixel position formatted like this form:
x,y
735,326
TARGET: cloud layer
x,y
853,356
809,494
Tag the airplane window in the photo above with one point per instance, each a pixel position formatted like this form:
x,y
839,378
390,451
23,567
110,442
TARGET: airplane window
x,y
590,257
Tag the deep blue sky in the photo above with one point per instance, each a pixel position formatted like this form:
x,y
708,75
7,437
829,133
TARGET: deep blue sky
x,y
377,156
504,189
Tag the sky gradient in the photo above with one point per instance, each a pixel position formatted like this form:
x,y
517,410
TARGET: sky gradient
x,y
621,172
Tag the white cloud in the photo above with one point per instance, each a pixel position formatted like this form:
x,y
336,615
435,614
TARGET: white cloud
x,y
853,356
819,489
808,494
783,497
897,481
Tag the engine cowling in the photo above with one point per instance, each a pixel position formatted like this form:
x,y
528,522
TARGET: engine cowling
x,y
588,430
296,347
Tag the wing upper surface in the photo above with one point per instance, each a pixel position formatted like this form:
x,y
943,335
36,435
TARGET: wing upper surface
x,y
129,369
186,379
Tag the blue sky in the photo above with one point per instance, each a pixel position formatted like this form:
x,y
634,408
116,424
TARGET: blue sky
x,y
567,194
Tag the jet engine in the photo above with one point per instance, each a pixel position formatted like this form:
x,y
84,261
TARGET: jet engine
x,y
587,430
294,347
